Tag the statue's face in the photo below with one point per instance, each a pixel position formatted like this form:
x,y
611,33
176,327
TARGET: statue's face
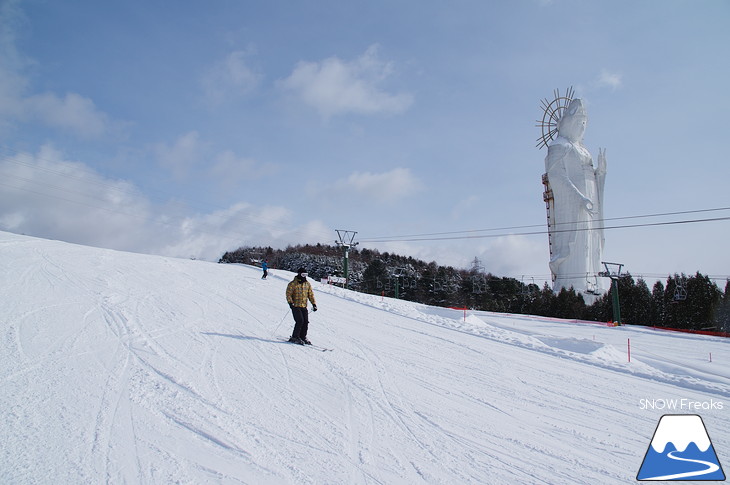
x,y
574,127
573,123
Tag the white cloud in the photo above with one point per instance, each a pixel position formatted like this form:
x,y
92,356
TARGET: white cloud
x,y
48,196
209,235
515,256
45,195
335,87
72,113
230,78
608,79
385,187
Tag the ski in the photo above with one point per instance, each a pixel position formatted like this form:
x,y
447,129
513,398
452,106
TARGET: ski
x,y
321,349
313,347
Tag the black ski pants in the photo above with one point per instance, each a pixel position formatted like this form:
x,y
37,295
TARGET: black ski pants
x,y
301,322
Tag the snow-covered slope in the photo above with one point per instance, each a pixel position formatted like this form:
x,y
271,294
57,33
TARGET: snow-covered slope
x,y
127,368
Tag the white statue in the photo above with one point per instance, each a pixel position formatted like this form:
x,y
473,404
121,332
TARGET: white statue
x,y
575,217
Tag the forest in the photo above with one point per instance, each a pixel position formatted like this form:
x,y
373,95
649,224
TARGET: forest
x,y
687,302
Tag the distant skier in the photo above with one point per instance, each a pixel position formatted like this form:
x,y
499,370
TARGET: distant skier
x,y
265,267
298,291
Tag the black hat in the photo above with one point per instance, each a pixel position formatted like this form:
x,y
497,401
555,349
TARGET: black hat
x,y
301,270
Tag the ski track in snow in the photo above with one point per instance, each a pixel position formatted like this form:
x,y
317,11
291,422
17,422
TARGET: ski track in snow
x,y
126,368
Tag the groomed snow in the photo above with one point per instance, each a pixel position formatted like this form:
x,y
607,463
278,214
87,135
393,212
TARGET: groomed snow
x,y
127,368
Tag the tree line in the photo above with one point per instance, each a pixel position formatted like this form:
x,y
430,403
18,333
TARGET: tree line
x,y
692,302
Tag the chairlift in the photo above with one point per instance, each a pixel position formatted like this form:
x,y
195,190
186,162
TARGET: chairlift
x,y
680,289
592,284
527,289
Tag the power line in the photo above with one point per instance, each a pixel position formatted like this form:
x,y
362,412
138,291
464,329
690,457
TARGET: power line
x,y
532,233
96,200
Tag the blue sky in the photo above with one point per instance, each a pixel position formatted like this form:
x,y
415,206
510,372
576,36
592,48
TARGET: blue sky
x,y
195,129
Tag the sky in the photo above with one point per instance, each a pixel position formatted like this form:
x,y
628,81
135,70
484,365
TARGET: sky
x,y
194,130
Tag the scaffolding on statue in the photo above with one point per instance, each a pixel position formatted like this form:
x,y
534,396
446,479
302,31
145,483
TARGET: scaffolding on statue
x,y
547,196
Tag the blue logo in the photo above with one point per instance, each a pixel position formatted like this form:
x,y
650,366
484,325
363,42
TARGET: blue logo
x,y
681,450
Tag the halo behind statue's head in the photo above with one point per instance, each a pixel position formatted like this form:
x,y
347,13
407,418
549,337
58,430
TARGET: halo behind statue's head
x,y
552,112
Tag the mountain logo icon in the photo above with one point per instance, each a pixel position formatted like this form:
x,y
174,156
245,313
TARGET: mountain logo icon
x,y
681,450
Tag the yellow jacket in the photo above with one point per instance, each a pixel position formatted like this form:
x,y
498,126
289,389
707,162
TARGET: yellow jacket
x,y
297,293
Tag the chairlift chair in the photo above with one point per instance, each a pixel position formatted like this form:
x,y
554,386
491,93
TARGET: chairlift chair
x,y
680,290
592,285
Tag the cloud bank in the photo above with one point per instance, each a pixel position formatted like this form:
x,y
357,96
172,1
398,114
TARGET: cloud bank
x,y
336,87
48,196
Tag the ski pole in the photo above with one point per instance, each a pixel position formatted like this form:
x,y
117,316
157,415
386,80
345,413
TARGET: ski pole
x,y
282,321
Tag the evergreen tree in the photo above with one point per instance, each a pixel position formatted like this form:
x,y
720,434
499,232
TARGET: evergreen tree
x,y
528,296
442,287
374,276
692,303
658,306
569,304
676,314
544,302
705,298
635,300
642,300
426,287
723,311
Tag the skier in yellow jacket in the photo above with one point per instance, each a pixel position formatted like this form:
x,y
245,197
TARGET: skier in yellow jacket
x,y
298,291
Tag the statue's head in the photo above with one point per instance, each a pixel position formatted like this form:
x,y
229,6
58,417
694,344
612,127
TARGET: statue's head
x,y
572,125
